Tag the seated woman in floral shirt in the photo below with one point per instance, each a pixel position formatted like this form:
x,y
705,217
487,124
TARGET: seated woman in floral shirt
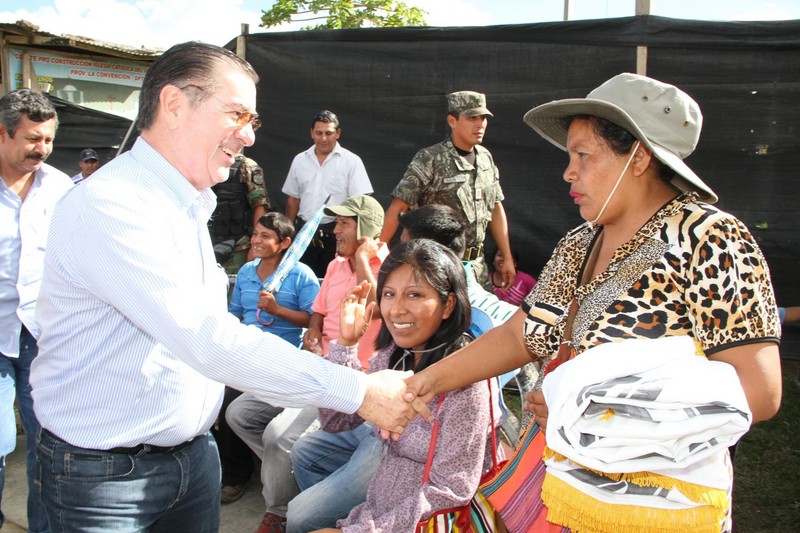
x,y
422,298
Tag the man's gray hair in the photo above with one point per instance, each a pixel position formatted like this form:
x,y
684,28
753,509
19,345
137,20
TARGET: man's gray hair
x,y
191,63
25,102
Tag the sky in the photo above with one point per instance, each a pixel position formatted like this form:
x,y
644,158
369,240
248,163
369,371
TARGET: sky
x,y
162,23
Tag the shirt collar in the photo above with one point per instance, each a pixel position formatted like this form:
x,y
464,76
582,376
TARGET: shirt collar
x,y
38,175
172,182
311,152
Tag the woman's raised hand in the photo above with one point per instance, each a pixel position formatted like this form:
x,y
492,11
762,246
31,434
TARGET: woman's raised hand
x,y
355,314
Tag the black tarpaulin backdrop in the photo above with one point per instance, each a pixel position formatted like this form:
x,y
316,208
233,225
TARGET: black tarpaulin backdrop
x,y
81,127
388,87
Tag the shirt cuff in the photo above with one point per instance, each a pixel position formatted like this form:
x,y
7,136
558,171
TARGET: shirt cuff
x,y
346,391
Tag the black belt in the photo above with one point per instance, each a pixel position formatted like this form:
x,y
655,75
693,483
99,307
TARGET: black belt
x,y
322,229
134,450
323,233
473,252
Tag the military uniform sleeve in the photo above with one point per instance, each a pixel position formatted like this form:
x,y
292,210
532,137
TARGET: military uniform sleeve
x,y
417,177
499,197
252,175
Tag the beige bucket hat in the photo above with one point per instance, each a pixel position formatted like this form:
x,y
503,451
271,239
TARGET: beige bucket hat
x,y
664,118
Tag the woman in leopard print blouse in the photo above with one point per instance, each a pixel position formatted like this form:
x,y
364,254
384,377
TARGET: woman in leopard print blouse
x,y
653,259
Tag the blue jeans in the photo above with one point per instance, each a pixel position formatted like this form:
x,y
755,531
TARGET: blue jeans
x,y
334,471
8,424
271,432
15,376
91,491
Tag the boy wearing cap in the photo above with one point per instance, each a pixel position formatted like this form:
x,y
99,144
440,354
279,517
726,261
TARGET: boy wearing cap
x,y
461,173
88,162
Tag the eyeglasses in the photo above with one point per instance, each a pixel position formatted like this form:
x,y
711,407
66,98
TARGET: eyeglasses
x,y
242,118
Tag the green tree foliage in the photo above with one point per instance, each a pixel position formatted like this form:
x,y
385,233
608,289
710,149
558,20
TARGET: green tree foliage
x,y
338,14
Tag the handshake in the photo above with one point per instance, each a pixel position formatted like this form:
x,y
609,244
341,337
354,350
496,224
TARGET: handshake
x,y
394,398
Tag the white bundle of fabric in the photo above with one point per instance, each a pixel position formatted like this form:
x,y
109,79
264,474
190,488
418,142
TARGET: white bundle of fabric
x,y
644,405
640,431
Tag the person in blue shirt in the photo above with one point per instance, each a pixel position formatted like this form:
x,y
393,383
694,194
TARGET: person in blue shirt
x,y
284,313
288,311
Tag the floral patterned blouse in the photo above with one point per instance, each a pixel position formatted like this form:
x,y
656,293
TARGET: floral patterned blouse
x,y
396,498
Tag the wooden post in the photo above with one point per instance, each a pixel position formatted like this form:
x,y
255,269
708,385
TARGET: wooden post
x,y
27,71
6,84
241,42
641,60
642,8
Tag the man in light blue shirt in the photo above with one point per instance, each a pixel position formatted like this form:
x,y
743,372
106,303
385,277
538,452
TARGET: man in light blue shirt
x,y
29,191
136,338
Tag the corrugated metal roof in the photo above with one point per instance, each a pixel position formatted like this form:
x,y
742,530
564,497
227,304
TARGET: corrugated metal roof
x,y
28,34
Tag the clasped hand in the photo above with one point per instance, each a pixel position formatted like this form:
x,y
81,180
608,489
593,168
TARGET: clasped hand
x,y
535,403
266,302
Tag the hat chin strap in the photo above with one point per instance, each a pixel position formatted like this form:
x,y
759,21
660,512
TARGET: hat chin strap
x,y
616,185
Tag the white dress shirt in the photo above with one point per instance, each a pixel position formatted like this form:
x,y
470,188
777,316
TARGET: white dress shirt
x,y
23,237
136,338
341,176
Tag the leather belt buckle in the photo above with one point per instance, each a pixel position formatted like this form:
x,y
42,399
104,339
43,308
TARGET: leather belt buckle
x,y
473,253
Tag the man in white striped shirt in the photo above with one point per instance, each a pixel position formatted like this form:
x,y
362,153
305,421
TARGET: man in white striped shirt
x,y
136,339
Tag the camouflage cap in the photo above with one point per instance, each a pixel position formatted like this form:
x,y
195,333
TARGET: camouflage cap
x,y
467,103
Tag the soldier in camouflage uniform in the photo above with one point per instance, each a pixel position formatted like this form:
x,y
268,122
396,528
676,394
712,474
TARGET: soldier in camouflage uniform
x,y
241,200
460,173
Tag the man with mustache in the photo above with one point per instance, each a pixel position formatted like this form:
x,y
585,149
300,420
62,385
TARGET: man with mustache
x,y
461,173
29,191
